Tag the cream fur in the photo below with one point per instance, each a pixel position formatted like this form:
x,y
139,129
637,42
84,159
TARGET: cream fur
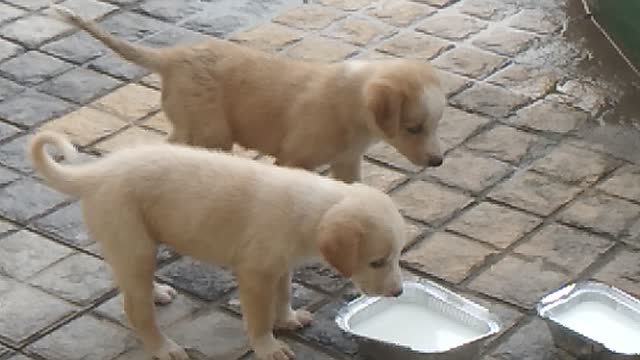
x,y
217,93
258,220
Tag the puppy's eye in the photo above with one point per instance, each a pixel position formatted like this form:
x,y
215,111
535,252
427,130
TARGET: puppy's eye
x,y
415,129
378,263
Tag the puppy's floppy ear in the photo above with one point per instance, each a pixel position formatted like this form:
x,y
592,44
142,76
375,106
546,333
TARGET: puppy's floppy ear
x,y
339,242
385,102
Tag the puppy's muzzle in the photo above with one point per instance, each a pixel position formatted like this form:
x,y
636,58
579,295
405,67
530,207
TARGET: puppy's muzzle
x,y
397,293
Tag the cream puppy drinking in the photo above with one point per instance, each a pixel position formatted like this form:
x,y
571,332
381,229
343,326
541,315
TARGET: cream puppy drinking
x,y
258,220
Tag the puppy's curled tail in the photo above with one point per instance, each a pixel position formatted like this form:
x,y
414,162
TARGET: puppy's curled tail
x,y
60,177
143,56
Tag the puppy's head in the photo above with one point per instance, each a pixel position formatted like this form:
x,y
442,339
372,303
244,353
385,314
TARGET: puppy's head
x,y
406,103
362,237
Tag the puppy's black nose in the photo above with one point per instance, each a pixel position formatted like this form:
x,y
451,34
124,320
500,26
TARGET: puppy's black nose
x,y
435,161
397,293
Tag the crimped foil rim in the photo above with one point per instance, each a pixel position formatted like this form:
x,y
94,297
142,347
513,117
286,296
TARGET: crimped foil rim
x,y
466,306
564,295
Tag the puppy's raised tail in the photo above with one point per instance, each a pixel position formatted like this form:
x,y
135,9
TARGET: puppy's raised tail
x,y
146,57
66,179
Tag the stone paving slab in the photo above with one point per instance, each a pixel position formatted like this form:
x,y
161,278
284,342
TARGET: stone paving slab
x,y
522,205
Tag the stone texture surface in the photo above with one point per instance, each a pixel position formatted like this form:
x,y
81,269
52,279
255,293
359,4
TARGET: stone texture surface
x,y
550,116
158,122
570,248
504,143
574,165
166,315
79,278
494,224
360,31
429,202
7,131
13,154
538,21
347,5
489,100
205,281
623,183
66,224
385,153
29,4
535,193
470,172
31,108
311,17
380,177
9,88
25,253
488,9
320,276
447,256
399,12
79,85
9,49
518,193
26,198
601,213
518,281
64,344
301,297
469,62
452,83
324,332
131,102
527,80
7,176
504,41
623,271
86,125
532,341
314,48
128,138
452,27
77,48
268,37
456,126
212,333
9,12
34,29
20,318
33,67
414,46
115,66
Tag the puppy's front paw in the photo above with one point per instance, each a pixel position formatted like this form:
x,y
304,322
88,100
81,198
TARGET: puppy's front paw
x,y
163,294
273,350
295,319
171,351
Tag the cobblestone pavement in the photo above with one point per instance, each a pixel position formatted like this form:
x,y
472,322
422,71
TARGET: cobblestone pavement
x,y
522,204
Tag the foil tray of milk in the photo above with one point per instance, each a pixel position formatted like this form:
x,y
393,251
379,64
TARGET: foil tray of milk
x,y
593,320
427,322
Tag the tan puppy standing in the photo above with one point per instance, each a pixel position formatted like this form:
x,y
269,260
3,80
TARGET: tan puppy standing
x,y
258,220
217,93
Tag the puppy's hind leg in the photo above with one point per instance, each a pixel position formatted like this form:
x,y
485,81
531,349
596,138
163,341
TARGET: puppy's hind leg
x,y
131,253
